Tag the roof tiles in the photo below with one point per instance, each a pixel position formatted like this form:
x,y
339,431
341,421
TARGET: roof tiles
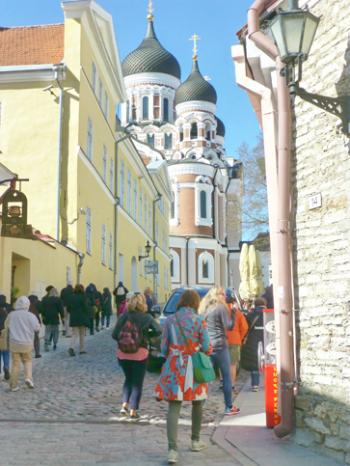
x,y
31,45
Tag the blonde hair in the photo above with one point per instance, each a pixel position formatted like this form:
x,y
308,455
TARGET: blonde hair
x,y
214,297
137,302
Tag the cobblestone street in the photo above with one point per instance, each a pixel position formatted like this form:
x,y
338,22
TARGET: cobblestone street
x,y
72,416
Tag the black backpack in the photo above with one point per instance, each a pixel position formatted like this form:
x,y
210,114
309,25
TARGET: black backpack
x,y
129,337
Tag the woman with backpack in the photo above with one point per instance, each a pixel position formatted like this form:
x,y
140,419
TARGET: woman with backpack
x,y
132,332
184,334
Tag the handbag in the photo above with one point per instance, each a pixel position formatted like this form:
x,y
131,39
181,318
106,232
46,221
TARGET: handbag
x,y
244,341
203,371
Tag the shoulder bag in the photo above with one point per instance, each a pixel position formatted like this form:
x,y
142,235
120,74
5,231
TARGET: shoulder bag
x,y
203,370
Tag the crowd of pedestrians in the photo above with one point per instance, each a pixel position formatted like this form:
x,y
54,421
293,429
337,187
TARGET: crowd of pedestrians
x,y
214,327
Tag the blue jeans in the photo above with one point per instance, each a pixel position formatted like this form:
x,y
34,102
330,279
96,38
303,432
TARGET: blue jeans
x,y
5,355
221,359
105,318
134,372
255,378
51,333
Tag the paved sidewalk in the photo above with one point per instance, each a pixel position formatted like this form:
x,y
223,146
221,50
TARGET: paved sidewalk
x,y
250,443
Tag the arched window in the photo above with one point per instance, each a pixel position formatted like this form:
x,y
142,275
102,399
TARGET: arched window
x,y
194,131
145,108
175,266
207,132
168,141
166,109
156,107
172,268
181,134
150,139
205,268
203,204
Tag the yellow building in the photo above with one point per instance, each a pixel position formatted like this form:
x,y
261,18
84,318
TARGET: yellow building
x,y
60,86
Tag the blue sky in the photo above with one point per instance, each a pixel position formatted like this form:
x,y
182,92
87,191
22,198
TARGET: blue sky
x,y
216,22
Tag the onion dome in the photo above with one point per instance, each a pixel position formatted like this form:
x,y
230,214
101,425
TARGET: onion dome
x,y
195,88
151,57
220,128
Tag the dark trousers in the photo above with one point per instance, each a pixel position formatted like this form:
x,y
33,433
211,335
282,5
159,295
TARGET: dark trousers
x,y
36,343
105,318
97,321
134,372
91,325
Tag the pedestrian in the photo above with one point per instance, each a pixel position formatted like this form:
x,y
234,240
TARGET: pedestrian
x,y
213,307
21,325
184,333
106,307
34,309
120,293
65,295
149,299
98,310
51,309
254,339
79,319
4,344
236,335
132,332
91,296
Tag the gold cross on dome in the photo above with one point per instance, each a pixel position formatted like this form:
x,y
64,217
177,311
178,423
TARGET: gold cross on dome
x,y
150,10
195,38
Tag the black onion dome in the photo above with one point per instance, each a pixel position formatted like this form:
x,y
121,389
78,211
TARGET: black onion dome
x,y
151,57
195,88
220,128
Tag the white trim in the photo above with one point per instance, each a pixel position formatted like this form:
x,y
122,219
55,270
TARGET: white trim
x,y
25,73
196,243
160,79
176,266
208,220
195,106
90,166
211,267
174,221
188,168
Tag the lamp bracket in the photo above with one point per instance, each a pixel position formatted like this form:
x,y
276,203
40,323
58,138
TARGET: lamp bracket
x,y
338,106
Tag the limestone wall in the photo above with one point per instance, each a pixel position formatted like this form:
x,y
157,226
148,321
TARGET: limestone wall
x,y
321,180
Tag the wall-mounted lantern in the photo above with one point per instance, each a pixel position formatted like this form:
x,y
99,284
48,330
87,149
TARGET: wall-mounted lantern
x,y
14,215
148,248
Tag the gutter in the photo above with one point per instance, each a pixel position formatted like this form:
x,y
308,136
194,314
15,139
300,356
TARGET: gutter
x,y
58,78
281,236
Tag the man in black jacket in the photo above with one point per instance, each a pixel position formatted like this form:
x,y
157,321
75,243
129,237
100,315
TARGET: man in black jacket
x,y
51,309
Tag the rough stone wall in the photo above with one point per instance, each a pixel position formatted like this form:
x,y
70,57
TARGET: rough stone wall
x,y
321,167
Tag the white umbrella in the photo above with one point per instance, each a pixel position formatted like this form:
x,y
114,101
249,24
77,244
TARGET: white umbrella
x,y
244,290
256,285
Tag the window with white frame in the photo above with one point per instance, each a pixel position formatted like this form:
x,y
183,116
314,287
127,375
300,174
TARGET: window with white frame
x,y
90,140
175,266
103,244
150,139
128,193
110,248
106,105
207,131
203,202
93,76
205,267
194,131
135,199
140,207
88,230
156,107
174,214
122,183
150,217
104,164
145,204
168,141
111,173
145,108
166,109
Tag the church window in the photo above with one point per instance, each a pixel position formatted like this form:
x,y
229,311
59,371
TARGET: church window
x,y
156,107
145,108
150,139
89,148
203,204
93,76
194,131
166,109
181,134
168,141
205,269
133,109
207,132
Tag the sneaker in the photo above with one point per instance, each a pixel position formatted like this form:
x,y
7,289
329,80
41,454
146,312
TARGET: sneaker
x,y
71,352
173,457
124,410
54,347
198,445
255,388
232,412
82,352
134,415
6,374
37,356
14,389
29,383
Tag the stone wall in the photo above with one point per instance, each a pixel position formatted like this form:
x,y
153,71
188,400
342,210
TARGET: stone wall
x,y
321,181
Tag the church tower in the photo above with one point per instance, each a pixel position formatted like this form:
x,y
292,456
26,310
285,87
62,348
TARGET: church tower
x,y
179,121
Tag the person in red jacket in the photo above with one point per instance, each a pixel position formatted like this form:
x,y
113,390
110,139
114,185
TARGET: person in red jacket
x,y
236,335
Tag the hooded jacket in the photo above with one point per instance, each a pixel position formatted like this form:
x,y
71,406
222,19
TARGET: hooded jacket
x,y
22,324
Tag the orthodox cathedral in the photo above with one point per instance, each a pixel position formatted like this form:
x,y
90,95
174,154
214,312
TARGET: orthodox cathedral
x,y
177,121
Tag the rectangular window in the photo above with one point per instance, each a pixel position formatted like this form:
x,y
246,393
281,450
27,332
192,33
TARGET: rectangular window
x,y
122,183
100,88
156,107
141,207
168,141
88,228
110,247
103,244
93,76
166,109
135,199
104,164
150,139
128,193
106,105
111,173
90,140
145,108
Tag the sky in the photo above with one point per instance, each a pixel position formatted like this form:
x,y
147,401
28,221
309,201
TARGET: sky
x,y
216,23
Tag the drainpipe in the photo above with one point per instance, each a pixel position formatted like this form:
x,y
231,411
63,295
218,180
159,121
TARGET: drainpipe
x,y
59,69
283,290
188,238
80,266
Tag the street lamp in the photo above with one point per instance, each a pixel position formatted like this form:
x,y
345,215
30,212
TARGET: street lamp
x,y
293,31
148,248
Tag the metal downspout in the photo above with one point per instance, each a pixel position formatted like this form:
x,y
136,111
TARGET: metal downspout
x,y
59,155
283,291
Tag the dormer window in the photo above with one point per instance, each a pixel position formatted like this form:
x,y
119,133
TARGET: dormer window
x,y
194,131
168,141
207,132
181,134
